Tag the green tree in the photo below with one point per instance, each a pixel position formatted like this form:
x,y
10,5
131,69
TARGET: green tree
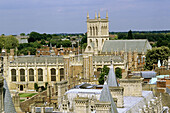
x,y
36,86
105,71
8,42
118,72
33,36
152,56
130,36
22,34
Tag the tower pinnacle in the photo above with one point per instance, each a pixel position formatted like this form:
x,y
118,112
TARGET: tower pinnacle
x,y
95,15
87,15
99,14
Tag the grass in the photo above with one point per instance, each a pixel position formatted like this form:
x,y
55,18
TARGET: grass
x,y
21,100
27,94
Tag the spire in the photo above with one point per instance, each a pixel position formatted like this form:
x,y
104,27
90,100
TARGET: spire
x,y
112,81
95,15
87,15
106,14
99,14
106,96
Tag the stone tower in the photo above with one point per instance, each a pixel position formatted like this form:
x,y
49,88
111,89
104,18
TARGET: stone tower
x,y
97,32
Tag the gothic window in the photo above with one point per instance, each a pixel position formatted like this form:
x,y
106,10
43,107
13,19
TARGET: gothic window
x,y
40,75
97,42
13,73
90,40
61,74
102,41
53,74
31,75
93,31
22,75
89,48
90,31
96,31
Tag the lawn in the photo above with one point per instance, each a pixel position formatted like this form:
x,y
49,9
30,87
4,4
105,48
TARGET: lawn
x,y
21,100
27,94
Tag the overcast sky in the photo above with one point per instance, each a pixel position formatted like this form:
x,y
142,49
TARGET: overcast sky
x,y
69,16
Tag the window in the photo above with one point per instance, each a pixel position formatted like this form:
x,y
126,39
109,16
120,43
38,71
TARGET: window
x,y
61,74
53,74
31,75
40,75
22,75
13,73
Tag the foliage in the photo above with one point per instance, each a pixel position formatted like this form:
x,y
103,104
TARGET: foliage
x,y
31,47
46,85
22,34
130,36
8,42
36,86
159,53
104,72
118,72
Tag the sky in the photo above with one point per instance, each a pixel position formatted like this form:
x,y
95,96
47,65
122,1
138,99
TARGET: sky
x,y
69,16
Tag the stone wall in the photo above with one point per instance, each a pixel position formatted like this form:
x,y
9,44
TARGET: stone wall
x,y
132,87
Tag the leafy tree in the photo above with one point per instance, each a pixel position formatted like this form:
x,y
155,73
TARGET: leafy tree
x,y
118,72
130,36
43,42
152,56
34,36
22,34
36,86
8,42
104,72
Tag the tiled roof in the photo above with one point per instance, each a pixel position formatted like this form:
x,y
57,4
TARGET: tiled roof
x,y
126,45
107,97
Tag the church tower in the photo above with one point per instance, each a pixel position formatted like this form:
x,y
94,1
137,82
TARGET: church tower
x,y
97,32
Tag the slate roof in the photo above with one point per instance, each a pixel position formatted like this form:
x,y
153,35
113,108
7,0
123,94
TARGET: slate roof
x,y
107,97
107,58
111,80
126,45
32,59
148,74
8,104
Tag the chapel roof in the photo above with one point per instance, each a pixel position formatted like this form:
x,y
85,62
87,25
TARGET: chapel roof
x,y
117,45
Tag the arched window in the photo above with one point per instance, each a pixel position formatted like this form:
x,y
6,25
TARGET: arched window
x,y
61,74
40,75
90,40
22,75
90,31
102,41
97,42
93,31
89,48
53,74
96,31
31,75
13,74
